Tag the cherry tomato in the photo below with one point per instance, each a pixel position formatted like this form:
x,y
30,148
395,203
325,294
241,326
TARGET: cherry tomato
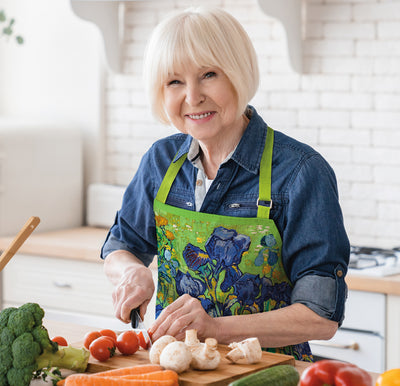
x,y
110,333
128,342
102,348
142,340
60,341
90,337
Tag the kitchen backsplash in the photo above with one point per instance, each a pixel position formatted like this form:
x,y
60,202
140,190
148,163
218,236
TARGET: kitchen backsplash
x,y
346,103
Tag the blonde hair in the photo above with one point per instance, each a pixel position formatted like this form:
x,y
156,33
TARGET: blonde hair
x,y
206,37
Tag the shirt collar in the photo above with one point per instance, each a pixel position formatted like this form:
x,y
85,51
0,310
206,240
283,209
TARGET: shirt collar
x,y
249,150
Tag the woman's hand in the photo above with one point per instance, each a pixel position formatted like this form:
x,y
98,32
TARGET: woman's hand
x,y
184,313
133,282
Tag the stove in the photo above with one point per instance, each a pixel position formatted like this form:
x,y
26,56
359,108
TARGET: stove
x,y
366,261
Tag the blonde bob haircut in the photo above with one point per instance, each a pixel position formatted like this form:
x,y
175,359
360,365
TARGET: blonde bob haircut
x,y
204,37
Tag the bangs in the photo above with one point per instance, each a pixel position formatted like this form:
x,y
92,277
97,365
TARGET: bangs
x,y
189,45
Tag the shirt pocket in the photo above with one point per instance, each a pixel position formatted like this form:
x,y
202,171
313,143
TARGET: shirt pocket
x,y
246,206
180,201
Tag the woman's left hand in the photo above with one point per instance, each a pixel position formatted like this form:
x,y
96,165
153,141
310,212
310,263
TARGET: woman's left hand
x,y
183,314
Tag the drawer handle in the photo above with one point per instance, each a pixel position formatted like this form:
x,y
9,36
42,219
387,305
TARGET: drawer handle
x,y
60,284
352,346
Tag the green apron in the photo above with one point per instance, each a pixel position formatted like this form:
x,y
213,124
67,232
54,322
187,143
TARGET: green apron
x,y
233,265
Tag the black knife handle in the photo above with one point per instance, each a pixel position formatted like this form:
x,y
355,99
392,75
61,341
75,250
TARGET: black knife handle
x,y
135,317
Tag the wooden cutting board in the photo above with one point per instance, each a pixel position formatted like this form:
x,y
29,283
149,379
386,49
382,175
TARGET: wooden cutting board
x,y
223,375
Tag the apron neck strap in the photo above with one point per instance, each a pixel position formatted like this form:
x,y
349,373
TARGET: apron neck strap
x,y
169,178
264,201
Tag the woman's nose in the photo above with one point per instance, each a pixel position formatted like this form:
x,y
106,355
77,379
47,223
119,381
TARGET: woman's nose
x,y
194,95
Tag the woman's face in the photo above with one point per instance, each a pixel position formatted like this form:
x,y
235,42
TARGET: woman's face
x,y
202,102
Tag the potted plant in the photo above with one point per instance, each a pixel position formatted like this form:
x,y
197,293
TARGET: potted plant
x,y
8,31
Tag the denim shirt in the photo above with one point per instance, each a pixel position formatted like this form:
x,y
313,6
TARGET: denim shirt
x,y
305,209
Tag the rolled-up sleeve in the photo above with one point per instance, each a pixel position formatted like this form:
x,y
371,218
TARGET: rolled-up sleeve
x,y
324,295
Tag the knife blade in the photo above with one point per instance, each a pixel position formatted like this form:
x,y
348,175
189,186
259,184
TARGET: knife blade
x,y
138,324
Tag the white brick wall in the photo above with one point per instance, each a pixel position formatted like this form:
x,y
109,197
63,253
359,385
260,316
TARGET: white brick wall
x,y
346,104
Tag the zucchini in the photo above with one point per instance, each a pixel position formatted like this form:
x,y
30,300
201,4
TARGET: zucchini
x,y
281,375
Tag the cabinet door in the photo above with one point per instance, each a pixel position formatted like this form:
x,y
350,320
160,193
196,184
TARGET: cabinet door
x,y
63,284
365,311
366,350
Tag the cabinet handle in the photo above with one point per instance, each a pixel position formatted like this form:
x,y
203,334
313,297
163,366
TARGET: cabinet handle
x,y
351,346
60,284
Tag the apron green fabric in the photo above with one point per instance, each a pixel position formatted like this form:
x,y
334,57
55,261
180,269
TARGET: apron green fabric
x,y
233,265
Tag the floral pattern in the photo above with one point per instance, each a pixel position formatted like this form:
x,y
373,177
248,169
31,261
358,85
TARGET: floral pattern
x,y
230,272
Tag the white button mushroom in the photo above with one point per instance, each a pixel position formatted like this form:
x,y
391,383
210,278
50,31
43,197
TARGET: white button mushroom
x,y
158,346
206,356
248,350
176,356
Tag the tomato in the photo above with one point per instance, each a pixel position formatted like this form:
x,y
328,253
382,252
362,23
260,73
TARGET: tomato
x,y
102,348
142,340
90,337
128,342
60,341
110,333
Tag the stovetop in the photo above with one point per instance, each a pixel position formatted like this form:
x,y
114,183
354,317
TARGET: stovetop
x,y
367,261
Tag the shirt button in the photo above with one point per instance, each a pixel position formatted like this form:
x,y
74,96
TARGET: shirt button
x,y
339,273
199,182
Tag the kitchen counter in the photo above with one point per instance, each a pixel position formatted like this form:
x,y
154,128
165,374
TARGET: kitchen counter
x,y
85,243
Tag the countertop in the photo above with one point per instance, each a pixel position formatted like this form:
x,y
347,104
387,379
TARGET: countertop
x,y
85,243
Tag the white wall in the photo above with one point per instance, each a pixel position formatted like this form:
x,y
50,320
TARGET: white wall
x,y
57,75
346,104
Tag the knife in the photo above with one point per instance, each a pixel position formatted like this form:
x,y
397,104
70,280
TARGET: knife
x,y
138,324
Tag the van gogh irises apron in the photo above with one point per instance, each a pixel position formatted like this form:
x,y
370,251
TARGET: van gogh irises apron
x,y
233,265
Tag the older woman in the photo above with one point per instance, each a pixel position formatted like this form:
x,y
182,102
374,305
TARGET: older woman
x,y
245,220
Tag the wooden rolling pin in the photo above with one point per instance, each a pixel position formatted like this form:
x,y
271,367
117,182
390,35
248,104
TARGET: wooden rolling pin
x,y
23,234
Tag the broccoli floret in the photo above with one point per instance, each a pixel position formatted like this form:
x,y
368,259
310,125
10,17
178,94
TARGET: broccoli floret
x,y
21,321
5,314
35,310
41,335
6,337
6,360
20,377
26,349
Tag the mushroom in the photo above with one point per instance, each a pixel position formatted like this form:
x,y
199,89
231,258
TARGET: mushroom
x,y
158,346
176,356
205,356
249,350
191,339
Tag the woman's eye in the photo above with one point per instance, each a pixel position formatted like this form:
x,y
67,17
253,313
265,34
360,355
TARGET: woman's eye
x,y
172,82
210,74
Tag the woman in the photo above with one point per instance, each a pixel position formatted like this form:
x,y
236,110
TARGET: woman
x,y
245,220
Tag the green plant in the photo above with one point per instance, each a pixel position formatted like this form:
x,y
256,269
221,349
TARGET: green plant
x,y
8,30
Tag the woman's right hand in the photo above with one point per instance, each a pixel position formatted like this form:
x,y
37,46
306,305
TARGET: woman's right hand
x,y
134,285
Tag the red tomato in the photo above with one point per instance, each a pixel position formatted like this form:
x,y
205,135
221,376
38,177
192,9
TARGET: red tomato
x,y
128,342
110,333
90,337
102,348
60,341
142,340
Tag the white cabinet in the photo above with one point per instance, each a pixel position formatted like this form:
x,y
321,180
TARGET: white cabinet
x,y
361,338
68,289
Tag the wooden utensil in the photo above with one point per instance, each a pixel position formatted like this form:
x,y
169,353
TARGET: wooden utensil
x,y
23,234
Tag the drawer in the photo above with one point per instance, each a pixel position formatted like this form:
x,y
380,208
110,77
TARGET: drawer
x,y
365,311
366,350
57,283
